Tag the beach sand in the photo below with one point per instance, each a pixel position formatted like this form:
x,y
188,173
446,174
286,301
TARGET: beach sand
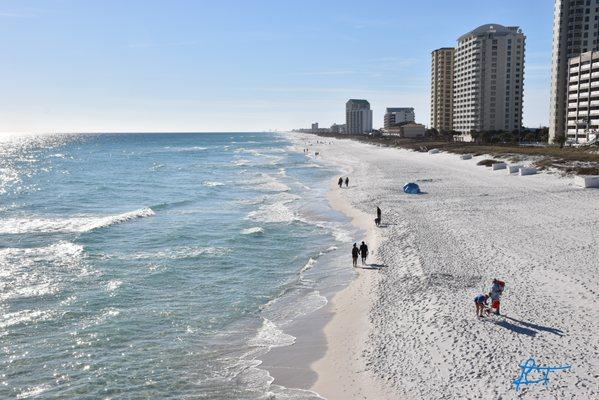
x,y
406,329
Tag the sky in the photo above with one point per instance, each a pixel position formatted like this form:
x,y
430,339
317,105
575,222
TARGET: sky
x,y
246,65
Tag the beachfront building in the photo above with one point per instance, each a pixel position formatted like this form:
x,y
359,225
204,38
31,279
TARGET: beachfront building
x,y
582,119
406,130
315,126
358,117
338,128
488,79
442,89
398,115
575,31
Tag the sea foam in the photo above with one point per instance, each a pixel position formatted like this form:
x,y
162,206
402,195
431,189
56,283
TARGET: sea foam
x,y
269,335
252,231
72,225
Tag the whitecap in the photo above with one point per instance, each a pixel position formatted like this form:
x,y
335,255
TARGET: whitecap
x,y
252,231
277,212
73,224
241,162
212,183
309,265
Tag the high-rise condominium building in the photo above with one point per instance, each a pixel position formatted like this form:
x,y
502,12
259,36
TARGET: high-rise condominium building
x,y
488,79
442,89
575,31
398,115
358,116
583,97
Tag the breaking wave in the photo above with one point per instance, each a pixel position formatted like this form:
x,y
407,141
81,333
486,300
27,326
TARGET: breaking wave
x,y
71,225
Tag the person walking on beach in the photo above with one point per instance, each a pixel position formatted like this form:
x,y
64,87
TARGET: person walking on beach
x,y
340,182
363,252
354,254
378,216
346,181
480,302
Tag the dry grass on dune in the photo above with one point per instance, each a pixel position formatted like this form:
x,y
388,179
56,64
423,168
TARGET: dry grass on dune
x,y
579,161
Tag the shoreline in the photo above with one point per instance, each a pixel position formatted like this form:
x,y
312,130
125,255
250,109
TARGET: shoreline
x,y
341,372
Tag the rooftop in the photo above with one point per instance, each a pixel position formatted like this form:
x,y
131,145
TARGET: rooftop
x,y
399,109
496,29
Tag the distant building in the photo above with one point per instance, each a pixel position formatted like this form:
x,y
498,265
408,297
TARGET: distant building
x,y
488,79
398,115
315,126
582,120
358,116
442,89
575,31
338,128
406,130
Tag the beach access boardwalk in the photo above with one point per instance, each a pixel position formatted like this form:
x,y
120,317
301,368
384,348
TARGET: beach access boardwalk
x,y
538,233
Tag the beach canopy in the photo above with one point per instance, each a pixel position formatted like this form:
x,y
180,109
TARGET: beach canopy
x,y
411,188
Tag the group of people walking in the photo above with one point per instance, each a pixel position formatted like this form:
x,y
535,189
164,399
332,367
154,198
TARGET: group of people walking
x,y
341,180
359,251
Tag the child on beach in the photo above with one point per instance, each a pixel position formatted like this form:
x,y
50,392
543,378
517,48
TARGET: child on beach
x,y
480,302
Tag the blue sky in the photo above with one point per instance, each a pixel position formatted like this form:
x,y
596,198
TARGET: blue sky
x,y
238,65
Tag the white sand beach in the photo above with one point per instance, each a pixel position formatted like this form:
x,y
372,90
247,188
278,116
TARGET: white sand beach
x,y
406,327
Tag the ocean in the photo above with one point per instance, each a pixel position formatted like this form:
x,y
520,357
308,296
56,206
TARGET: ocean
x,y
159,265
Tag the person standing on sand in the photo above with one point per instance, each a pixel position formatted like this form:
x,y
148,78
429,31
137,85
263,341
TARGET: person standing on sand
x,y
346,181
378,216
340,182
363,252
354,255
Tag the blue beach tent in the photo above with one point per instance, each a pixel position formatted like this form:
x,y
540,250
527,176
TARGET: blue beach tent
x,y
411,188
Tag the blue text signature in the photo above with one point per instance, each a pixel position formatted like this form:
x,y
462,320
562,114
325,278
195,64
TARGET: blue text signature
x,y
531,366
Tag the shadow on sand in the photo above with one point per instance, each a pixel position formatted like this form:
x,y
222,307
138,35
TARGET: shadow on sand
x,y
373,266
530,325
526,328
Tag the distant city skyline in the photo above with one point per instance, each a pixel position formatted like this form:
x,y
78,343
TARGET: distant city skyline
x,y
239,66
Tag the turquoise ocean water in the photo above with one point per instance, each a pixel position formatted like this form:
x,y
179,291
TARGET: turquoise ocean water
x,y
159,265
